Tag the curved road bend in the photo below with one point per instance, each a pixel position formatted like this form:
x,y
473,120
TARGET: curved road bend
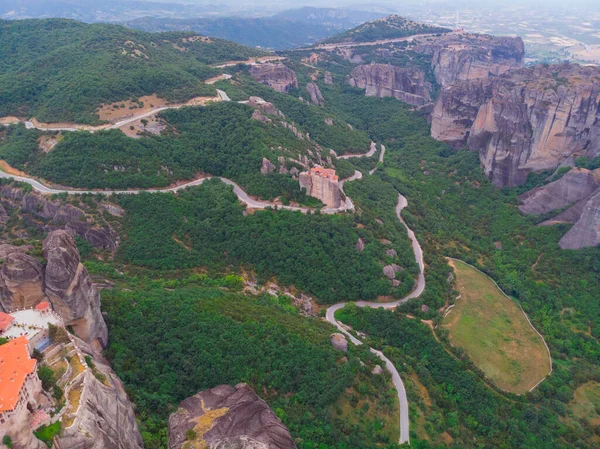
x,y
418,289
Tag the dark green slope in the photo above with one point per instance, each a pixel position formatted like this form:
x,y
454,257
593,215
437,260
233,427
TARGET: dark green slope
x,y
62,70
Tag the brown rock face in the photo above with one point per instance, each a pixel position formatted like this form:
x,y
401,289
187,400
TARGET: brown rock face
x,y
21,282
316,97
228,417
532,119
339,342
578,184
69,287
385,80
322,184
105,417
276,76
586,232
462,57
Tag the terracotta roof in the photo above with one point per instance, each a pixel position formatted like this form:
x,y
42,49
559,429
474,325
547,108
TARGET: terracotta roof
x,y
5,321
328,173
45,305
15,366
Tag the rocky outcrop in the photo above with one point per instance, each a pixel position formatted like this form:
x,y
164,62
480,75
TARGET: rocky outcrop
x,y
276,76
464,56
105,418
385,80
532,119
21,282
576,185
69,288
55,215
227,417
267,166
323,184
316,97
328,78
339,342
586,232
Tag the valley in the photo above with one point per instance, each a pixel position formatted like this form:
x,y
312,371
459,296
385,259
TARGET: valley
x,y
252,248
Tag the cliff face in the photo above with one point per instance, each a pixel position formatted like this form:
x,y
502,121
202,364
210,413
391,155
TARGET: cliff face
x,y
532,119
105,417
577,185
462,57
276,76
586,231
227,417
64,281
385,80
70,290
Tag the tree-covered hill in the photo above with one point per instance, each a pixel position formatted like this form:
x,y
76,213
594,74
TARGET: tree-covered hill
x,y
389,27
63,70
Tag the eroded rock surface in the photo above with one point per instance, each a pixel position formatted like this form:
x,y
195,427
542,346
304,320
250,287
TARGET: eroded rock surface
x,y
586,232
385,80
531,119
316,97
69,288
227,417
339,342
21,281
276,76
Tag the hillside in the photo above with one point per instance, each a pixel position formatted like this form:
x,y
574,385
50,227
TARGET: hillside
x,y
62,71
389,27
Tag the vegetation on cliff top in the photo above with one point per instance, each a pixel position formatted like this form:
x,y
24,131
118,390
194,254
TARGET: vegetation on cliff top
x,y
389,27
61,70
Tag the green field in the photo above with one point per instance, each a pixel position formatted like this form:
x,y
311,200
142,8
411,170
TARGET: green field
x,y
586,403
495,332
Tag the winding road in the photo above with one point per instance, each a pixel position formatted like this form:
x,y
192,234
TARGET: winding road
x,y
256,204
416,292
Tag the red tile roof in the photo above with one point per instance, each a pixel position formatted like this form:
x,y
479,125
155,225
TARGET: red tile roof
x,y
5,321
15,366
45,305
328,173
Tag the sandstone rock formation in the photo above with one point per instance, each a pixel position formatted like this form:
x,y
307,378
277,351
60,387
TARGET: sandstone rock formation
x,y
105,418
227,417
55,215
328,78
267,166
276,76
316,97
322,183
576,185
21,282
464,56
70,290
385,80
339,342
532,119
586,232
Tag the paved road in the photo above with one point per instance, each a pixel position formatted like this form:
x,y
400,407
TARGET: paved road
x,y
418,289
369,154
362,44
381,154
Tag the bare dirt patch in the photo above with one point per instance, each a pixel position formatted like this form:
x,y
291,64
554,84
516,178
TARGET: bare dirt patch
x,y
10,170
122,110
495,333
10,120
46,143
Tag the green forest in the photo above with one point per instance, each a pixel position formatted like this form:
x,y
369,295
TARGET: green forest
x,y
61,71
219,140
199,332
205,226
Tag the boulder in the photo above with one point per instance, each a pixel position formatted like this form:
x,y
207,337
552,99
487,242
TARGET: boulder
x,y
378,370
70,290
267,166
574,186
586,232
227,417
328,79
391,252
389,272
316,97
339,342
360,245
21,281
